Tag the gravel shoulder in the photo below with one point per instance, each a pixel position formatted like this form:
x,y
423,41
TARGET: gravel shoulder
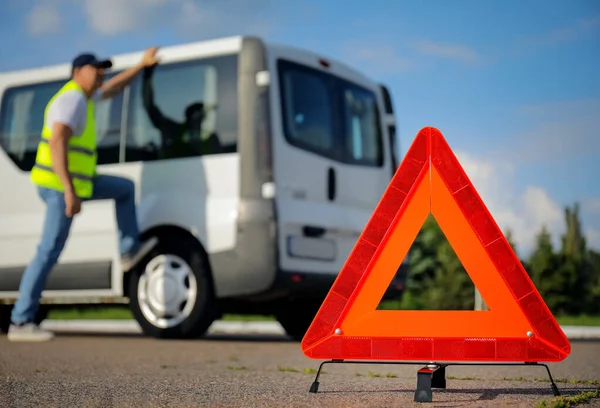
x,y
244,371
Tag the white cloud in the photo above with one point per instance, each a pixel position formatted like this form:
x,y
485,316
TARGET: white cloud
x,y
591,205
380,59
459,52
231,17
110,17
375,58
557,131
523,212
44,18
188,17
565,34
590,23
529,45
592,236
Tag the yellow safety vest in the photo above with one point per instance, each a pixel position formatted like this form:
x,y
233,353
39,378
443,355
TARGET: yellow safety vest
x,y
82,155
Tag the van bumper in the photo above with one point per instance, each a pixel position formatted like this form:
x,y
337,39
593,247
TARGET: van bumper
x,y
307,284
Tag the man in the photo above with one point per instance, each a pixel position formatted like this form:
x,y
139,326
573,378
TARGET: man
x,y
65,175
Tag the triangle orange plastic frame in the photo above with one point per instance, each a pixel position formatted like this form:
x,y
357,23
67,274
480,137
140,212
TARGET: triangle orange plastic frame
x,y
519,327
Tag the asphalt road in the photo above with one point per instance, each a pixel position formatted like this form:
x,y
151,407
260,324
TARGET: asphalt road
x,y
88,370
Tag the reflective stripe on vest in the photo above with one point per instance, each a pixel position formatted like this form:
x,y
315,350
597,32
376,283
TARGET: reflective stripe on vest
x,y
81,154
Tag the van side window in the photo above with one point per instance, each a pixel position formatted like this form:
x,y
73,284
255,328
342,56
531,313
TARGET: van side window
x,y
329,116
108,128
308,110
362,129
182,110
22,120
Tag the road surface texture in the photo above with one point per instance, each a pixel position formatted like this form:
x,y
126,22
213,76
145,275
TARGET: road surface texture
x,y
128,370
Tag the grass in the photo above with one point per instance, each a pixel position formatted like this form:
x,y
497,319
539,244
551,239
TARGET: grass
x,y
237,368
523,379
104,313
565,402
582,320
569,381
451,377
556,402
287,369
373,374
123,313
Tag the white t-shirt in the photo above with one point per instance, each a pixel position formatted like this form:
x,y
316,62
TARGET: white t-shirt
x,y
70,108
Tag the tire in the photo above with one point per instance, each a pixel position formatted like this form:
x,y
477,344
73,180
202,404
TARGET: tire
x,y
176,262
296,316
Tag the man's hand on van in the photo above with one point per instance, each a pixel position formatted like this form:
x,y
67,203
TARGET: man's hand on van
x,y
73,204
150,59
117,83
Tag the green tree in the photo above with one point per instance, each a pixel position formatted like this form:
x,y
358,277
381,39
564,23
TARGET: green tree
x,y
573,241
543,265
422,261
568,278
592,300
575,268
565,278
437,279
451,287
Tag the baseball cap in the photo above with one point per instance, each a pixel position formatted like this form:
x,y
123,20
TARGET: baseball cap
x,y
90,59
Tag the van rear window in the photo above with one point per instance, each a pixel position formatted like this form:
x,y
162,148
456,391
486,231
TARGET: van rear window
x,y
323,112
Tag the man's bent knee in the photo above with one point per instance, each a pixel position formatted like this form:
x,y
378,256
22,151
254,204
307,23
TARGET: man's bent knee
x,y
129,185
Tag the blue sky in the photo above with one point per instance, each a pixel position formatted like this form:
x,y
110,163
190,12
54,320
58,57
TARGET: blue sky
x,y
505,81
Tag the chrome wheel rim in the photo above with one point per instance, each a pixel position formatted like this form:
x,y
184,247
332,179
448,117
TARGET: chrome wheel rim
x,y
167,291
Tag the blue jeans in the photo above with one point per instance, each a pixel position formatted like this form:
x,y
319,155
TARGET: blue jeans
x,y
56,231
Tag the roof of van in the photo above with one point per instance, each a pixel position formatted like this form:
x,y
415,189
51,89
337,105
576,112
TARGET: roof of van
x,y
183,50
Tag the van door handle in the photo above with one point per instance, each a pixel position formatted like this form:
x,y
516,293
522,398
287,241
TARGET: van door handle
x,y
313,232
331,184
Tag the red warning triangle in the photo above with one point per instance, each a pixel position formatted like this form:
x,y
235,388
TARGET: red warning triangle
x,y
518,326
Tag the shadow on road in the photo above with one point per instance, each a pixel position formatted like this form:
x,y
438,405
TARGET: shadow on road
x,y
209,337
230,337
486,395
249,337
213,337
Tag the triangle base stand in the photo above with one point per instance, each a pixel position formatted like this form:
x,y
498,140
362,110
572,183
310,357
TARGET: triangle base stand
x,y
431,376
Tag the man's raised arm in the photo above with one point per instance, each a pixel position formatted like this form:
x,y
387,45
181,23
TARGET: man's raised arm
x,y
117,83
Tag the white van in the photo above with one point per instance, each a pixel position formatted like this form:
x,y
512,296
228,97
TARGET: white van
x,y
255,215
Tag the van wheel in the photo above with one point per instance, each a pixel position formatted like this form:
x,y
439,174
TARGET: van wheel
x,y
296,316
171,293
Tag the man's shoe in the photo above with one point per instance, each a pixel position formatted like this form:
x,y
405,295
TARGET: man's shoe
x,y
128,261
28,332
